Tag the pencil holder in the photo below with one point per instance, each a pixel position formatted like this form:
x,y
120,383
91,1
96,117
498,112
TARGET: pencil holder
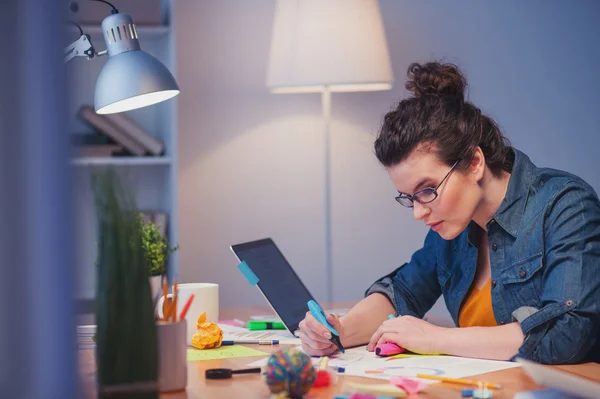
x,y
172,356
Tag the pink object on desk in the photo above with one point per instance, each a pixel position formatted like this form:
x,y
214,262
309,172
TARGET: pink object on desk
x,y
388,349
234,322
409,385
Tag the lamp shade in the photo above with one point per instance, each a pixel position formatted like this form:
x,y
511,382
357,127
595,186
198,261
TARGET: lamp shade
x,y
131,78
336,43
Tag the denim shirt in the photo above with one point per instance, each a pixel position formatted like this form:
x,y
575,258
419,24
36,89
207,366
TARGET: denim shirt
x,y
544,246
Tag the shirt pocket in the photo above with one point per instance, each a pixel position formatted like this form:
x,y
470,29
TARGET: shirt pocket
x,y
443,275
522,281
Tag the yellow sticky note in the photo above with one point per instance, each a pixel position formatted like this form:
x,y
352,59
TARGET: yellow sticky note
x,y
224,352
406,355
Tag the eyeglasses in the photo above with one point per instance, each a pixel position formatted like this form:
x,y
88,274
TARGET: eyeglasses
x,y
424,196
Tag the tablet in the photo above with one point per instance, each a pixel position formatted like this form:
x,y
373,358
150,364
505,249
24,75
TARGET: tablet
x,y
277,281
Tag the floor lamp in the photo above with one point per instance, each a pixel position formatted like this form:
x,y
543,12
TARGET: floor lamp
x,y
324,47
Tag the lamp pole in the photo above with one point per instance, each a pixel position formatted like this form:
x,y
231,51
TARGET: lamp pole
x,y
326,113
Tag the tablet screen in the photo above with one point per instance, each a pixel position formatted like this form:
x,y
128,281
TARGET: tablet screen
x,y
278,282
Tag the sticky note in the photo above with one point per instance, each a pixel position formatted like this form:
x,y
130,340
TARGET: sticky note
x,y
224,352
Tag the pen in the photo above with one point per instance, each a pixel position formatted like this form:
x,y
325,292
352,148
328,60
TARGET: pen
x,y
265,325
165,303
458,380
251,341
318,314
175,295
186,307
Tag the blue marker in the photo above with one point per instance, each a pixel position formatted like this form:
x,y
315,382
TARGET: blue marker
x,y
318,314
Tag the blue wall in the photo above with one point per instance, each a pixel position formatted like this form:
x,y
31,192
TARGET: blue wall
x,y
533,66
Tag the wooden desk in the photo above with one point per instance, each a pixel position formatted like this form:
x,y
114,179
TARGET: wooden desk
x,y
252,387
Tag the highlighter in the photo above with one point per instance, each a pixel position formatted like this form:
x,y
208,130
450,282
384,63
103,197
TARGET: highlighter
x,y
318,314
388,349
265,325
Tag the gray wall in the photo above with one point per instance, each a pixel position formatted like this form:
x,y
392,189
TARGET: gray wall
x,y
251,162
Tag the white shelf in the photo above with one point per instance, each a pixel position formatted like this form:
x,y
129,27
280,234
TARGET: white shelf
x,y
144,31
126,161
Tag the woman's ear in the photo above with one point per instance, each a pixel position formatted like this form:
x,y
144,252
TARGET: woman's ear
x,y
477,166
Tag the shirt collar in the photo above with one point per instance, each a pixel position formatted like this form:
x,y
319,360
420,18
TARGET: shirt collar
x,y
511,210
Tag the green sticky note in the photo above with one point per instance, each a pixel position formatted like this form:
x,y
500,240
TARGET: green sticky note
x,y
224,352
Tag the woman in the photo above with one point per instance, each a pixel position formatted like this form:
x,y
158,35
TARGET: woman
x,y
514,249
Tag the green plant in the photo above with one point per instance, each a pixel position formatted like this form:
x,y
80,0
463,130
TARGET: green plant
x,y
156,246
126,340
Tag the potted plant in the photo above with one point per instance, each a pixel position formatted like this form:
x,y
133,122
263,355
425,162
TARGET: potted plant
x,y
157,250
126,338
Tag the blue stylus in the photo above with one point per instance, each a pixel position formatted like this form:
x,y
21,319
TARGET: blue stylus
x,y
318,314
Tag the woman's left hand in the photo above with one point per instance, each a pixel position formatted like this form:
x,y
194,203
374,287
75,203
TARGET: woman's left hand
x,y
409,332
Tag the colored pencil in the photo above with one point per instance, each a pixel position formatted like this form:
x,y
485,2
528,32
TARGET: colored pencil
x,y
165,306
175,293
459,381
186,307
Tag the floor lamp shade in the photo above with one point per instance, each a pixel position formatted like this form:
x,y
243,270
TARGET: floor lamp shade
x,y
131,78
336,43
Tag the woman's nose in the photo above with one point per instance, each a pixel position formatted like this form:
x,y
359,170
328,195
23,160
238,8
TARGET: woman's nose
x,y
420,211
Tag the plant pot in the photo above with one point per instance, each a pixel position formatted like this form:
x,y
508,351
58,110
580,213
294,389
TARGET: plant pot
x,y
155,286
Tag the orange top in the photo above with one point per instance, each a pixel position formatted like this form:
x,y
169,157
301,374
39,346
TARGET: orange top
x,y
477,309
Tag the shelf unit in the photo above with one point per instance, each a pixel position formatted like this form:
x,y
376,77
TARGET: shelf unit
x,y
151,179
125,161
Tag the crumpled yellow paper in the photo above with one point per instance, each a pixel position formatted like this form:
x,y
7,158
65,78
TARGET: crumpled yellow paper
x,y
209,335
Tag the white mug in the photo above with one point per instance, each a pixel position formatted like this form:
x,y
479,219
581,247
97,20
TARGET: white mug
x,y
206,299
172,356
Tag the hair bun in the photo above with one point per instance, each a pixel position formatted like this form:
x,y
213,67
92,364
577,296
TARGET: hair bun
x,y
436,79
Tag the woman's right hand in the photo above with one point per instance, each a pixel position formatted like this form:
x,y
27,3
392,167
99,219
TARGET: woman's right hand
x,y
315,336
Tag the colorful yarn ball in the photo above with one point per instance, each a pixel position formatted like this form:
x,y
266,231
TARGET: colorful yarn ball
x,y
291,371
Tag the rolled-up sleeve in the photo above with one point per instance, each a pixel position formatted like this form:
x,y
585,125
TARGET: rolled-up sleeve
x,y
413,287
567,327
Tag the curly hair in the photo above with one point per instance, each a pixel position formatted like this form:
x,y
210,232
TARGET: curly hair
x,y
437,116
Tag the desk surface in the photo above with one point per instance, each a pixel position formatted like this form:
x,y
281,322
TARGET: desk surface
x,y
252,387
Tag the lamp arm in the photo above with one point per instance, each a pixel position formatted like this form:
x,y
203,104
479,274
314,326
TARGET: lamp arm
x,y
81,47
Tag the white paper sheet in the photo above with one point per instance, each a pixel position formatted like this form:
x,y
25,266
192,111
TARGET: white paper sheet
x,y
232,333
360,362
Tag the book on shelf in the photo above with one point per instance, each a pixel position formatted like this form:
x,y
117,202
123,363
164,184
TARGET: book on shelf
x,y
85,336
105,126
124,131
94,145
149,142
97,150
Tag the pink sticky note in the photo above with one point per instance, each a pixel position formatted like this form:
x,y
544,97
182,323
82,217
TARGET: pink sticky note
x,y
410,386
388,349
362,396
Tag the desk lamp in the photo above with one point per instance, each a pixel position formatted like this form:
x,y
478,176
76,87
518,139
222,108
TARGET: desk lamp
x,y
131,78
